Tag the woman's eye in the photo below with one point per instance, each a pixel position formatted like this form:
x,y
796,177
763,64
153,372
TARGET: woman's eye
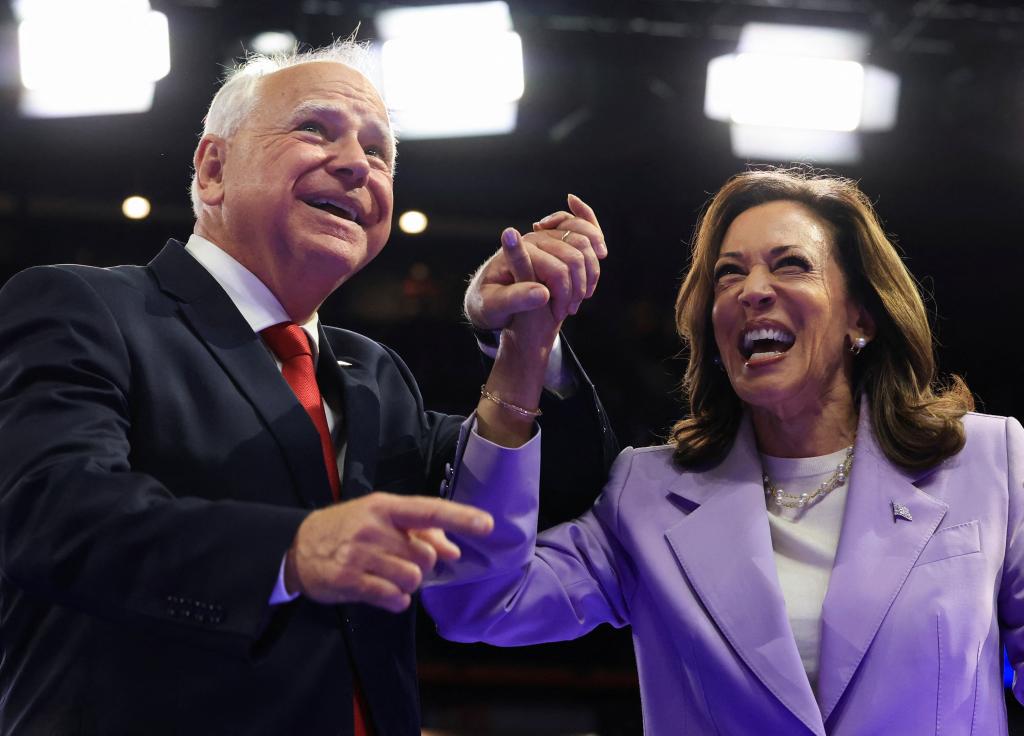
x,y
727,274
792,264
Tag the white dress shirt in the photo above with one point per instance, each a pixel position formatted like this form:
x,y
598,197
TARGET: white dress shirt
x,y
261,309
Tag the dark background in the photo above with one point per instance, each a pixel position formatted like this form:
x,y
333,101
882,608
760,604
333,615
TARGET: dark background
x,y
613,112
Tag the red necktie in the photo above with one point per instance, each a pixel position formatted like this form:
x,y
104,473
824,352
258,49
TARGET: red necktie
x,y
291,346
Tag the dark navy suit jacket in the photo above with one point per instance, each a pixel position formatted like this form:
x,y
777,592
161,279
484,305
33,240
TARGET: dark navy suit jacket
x,y
154,468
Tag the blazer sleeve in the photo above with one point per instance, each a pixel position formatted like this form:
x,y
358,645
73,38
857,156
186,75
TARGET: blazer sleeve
x,y
1011,589
80,526
514,587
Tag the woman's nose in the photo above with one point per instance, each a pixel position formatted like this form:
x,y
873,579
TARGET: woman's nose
x,y
757,290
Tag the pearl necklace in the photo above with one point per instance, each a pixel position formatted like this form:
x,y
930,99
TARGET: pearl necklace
x,y
838,478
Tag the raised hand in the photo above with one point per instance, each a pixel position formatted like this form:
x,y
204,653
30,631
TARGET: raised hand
x,y
565,250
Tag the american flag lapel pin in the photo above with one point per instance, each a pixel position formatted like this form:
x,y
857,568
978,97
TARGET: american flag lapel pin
x,y
899,511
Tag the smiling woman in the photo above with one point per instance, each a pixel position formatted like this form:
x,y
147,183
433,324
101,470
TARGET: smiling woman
x,y
829,545
787,239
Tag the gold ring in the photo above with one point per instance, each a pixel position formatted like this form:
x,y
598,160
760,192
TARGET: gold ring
x,y
566,235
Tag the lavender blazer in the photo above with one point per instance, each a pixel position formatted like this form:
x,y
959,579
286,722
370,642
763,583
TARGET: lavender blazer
x,y
911,624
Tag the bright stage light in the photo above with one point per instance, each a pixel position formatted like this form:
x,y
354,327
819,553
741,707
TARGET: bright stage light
x,y
92,58
797,93
412,222
136,207
451,70
269,43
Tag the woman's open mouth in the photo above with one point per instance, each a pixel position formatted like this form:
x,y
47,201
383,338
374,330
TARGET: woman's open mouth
x,y
765,344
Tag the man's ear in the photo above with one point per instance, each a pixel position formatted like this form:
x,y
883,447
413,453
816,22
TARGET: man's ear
x,y
209,166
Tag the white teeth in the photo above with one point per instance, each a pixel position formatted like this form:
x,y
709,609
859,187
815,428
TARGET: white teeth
x,y
766,333
341,206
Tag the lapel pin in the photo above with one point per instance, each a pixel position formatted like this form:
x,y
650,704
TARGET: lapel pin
x,y
899,511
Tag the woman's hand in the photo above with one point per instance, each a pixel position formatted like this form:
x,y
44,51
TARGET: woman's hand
x,y
565,250
528,289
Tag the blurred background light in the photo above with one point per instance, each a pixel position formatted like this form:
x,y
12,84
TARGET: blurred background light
x,y
90,58
136,207
799,93
269,43
451,70
412,222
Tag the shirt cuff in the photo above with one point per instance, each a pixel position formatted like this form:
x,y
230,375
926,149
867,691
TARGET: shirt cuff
x,y
559,379
281,594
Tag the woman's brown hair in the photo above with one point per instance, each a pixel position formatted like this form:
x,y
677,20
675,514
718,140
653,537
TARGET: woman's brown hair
x,y
916,421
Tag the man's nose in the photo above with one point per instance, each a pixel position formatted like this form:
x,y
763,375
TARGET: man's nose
x,y
758,290
349,161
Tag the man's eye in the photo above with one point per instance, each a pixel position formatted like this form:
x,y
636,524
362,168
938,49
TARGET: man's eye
x,y
312,127
376,152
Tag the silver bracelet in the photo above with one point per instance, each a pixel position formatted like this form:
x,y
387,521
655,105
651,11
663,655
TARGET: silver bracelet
x,y
507,405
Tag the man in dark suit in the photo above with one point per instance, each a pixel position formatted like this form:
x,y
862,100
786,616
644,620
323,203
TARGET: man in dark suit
x,y
210,518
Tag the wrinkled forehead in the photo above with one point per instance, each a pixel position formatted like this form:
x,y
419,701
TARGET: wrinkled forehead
x,y
322,85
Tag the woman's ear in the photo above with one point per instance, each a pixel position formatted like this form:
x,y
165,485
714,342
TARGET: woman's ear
x,y
862,323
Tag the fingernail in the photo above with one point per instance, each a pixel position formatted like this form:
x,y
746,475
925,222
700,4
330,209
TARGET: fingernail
x,y
483,523
538,293
509,238
546,219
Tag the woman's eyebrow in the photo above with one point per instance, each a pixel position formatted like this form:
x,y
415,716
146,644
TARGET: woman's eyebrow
x,y
776,251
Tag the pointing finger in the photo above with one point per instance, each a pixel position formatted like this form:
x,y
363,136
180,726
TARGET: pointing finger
x,y
420,512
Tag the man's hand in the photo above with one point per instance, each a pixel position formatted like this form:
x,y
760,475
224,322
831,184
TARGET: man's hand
x,y
376,549
564,250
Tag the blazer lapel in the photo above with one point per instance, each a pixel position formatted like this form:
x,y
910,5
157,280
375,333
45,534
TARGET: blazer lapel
x,y
249,365
361,403
724,547
876,553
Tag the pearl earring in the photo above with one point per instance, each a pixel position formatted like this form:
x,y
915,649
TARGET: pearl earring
x,y
858,344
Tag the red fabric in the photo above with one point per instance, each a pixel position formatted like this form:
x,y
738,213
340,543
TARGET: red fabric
x,y
291,346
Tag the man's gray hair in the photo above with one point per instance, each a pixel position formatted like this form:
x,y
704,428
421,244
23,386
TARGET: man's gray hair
x,y
237,96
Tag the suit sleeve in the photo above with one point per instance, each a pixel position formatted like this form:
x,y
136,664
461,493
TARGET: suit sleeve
x,y
1011,589
79,526
514,587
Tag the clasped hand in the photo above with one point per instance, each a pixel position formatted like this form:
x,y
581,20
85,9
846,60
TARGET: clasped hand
x,y
557,266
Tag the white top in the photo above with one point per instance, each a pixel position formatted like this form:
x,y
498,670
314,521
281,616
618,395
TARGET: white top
x,y
805,542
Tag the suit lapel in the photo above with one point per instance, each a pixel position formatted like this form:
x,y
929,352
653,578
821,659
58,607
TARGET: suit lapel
x,y
875,555
208,310
724,547
361,410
